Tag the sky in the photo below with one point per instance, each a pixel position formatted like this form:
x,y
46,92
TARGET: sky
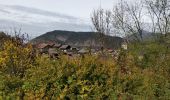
x,y
77,8
21,14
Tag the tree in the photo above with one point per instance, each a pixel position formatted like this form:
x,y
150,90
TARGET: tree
x,y
16,57
159,11
101,20
127,18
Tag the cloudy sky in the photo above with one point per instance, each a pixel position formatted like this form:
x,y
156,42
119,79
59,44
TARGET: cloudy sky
x,y
78,8
39,16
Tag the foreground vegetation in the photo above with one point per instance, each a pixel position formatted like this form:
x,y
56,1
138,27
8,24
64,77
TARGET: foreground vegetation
x,y
140,73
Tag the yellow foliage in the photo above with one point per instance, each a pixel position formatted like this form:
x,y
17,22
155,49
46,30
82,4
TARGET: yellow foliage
x,y
15,56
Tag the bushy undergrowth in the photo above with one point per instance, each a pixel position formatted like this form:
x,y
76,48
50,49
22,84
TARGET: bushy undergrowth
x,y
140,73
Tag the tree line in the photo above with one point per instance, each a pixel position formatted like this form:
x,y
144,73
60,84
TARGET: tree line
x,y
133,18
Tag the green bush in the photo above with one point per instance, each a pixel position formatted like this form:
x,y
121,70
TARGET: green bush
x,y
140,73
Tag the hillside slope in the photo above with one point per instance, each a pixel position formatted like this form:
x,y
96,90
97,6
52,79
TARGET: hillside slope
x,y
78,39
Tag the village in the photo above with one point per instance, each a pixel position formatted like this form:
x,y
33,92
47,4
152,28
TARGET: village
x,y
54,50
85,50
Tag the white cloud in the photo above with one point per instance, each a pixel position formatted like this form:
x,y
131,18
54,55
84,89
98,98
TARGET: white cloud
x,y
36,21
54,14
78,8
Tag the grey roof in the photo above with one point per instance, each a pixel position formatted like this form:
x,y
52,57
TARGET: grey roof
x,y
42,45
64,46
57,45
52,51
83,51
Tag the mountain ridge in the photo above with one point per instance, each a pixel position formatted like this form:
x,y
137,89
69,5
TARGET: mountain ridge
x,y
78,39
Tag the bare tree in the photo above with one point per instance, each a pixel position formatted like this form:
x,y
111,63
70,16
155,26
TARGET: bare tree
x,y
159,11
127,18
101,20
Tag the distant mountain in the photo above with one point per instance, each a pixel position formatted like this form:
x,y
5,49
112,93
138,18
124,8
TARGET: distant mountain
x,y
78,39
36,21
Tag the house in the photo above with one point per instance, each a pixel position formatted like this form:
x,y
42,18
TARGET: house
x,y
74,49
124,46
110,51
57,45
53,53
51,43
65,47
93,51
83,51
43,47
69,53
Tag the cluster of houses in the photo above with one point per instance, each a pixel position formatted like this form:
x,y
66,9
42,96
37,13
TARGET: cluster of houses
x,y
55,49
